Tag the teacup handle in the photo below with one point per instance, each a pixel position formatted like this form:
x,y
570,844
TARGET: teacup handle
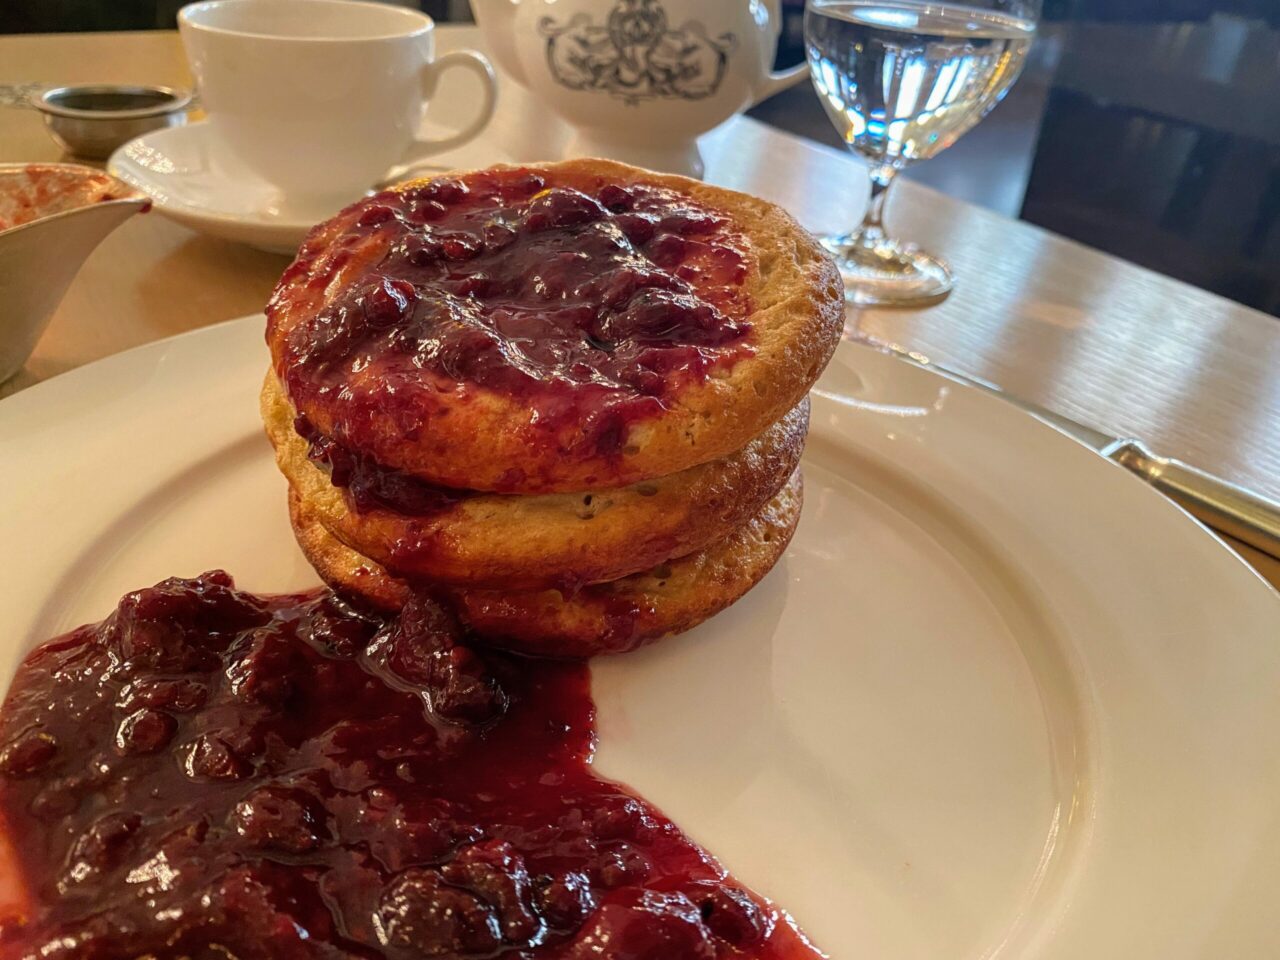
x,y
420,150
783,80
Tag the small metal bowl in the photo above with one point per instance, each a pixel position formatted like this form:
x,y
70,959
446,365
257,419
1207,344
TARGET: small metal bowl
x,y
92,121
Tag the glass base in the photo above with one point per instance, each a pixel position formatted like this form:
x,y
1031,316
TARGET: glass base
x,y
881,272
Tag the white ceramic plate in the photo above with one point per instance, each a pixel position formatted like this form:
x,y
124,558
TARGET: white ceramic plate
x,y
1000,699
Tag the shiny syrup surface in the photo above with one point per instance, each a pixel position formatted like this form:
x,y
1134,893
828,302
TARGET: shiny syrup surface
x,y
211,774
368,485
589,302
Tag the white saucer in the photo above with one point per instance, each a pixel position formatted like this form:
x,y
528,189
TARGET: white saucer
x,y
193,180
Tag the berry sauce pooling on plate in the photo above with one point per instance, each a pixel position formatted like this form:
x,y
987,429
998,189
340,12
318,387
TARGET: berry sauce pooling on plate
x,y
584,300
209,773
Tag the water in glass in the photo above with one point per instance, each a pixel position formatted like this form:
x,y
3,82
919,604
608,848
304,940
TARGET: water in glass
x,y
903,81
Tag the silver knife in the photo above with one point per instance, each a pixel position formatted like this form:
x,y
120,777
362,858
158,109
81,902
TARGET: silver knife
x,y
1216,502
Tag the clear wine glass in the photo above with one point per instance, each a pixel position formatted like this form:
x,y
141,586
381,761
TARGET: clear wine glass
x,y
902,80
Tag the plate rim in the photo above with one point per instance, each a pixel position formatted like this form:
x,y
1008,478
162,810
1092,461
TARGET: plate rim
x,y
1226,562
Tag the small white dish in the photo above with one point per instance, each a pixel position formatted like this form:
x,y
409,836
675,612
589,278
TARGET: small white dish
x,y
52,216
194,180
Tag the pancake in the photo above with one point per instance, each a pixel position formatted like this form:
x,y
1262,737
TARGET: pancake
x,y
553,328
603,618
531,542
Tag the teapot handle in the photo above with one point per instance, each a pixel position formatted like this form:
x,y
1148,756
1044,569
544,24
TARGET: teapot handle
x,y
773,83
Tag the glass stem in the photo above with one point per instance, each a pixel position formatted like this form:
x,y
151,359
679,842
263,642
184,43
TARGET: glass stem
x,y
872,232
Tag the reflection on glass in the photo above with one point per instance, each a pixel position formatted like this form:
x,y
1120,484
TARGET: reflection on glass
x,y
903,81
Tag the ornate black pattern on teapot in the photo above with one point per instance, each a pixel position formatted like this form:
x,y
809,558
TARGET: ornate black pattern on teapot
x,y
635,55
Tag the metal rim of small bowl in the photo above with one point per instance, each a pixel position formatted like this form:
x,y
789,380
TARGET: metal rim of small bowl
x,y
177,100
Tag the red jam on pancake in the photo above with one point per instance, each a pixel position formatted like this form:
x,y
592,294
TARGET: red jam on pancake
x,y
371,486
552,328
586,302
208,773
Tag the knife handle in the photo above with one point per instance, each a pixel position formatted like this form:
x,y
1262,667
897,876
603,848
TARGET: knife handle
x,y
1212,500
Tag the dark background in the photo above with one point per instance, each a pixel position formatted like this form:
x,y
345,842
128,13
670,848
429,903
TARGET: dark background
x,y
1146,128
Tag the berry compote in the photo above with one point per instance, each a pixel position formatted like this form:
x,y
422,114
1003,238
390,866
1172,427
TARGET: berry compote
x,y
211,774
584,300
368,485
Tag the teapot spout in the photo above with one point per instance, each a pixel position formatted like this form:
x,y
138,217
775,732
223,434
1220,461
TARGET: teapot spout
x,y
496,20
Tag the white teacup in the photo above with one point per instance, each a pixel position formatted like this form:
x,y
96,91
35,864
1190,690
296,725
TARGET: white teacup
x,y
322,98
639,80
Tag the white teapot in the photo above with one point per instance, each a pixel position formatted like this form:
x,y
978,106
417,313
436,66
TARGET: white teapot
x,y
639,80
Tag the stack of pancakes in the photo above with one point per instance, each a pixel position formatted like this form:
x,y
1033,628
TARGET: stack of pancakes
x,y
569,399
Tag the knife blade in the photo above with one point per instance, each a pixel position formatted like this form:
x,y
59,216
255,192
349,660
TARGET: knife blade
x,y
1219,504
